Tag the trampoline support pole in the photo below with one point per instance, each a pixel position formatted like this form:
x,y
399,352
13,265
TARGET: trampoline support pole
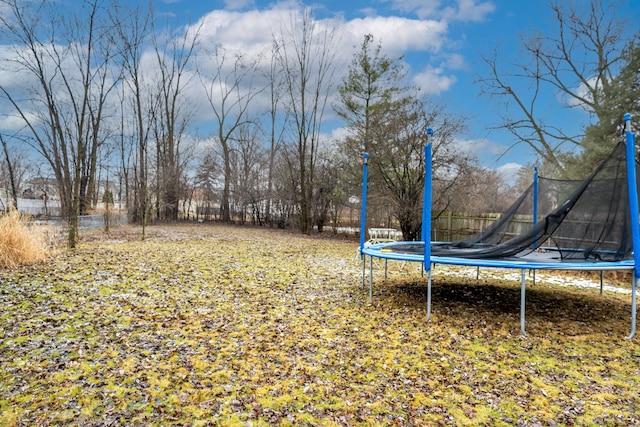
x,y
534,277
370,279
364,264
385,269
634,213
634,285
522,301
429,295
601,285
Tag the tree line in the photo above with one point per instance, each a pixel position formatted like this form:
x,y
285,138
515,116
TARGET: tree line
x,y
101,91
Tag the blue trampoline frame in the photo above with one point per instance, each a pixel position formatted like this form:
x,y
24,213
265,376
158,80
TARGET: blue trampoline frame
x,y
533,261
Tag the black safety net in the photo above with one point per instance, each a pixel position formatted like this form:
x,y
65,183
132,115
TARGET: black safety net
x,y
577,220
551,192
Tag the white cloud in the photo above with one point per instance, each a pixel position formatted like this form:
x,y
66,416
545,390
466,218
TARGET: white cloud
x,y
14,122
251,32
421,8
238,4
488,151
434,81
368,11
482,146
468,10
458,10
398,34
509,172
338,134
584,91
455,61
232,29
12,75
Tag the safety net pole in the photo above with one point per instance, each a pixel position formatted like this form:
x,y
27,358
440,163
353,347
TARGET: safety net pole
x,y
363,213
535,195
426,217
426,202
523,299
536,190
633,210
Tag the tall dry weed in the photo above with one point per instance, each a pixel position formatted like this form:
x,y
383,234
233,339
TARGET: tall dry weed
x,y
19,243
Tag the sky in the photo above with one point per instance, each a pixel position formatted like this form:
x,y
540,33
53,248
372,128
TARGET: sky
x,y
441,42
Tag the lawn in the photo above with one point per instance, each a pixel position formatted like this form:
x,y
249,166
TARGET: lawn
x,y
212,325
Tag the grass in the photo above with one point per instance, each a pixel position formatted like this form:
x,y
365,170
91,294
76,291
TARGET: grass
x,y
212,325
20,244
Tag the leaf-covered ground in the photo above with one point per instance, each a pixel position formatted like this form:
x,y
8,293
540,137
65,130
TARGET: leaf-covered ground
x,y
212,325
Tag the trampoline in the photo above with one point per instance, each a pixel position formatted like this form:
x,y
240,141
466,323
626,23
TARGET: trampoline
x,y
594,226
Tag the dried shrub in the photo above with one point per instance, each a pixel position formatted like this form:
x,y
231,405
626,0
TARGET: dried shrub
x,y
19,243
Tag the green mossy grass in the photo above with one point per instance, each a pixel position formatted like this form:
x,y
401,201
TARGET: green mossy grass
x,y
210,325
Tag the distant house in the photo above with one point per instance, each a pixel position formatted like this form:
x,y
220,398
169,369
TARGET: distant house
x,y
38,198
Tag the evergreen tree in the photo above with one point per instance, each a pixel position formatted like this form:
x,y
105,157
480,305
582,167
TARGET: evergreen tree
x,y
372,81
622,96
389,121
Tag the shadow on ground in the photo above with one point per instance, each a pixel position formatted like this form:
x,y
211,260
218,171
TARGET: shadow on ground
x,y
548,308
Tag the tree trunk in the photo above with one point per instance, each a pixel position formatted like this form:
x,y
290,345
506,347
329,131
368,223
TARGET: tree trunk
x,y
14,192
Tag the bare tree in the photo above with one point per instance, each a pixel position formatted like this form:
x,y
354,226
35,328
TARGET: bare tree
x,y
174,115
276,124
472,189
247,190
398,137
67,55
133,29
126,148
576,63
329,196
623,96
306,54
230,92
10,172
284,200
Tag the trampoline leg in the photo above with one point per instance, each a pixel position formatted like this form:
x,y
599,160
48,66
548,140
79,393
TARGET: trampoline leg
x,y
634,285
534,277
601,282
522,301
428,295
385,269
370,279
364,263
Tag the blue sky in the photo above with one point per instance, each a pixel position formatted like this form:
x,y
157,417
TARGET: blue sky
x,y
442,41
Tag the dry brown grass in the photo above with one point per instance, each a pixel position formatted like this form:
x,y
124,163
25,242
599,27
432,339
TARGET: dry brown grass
x,y
19,243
